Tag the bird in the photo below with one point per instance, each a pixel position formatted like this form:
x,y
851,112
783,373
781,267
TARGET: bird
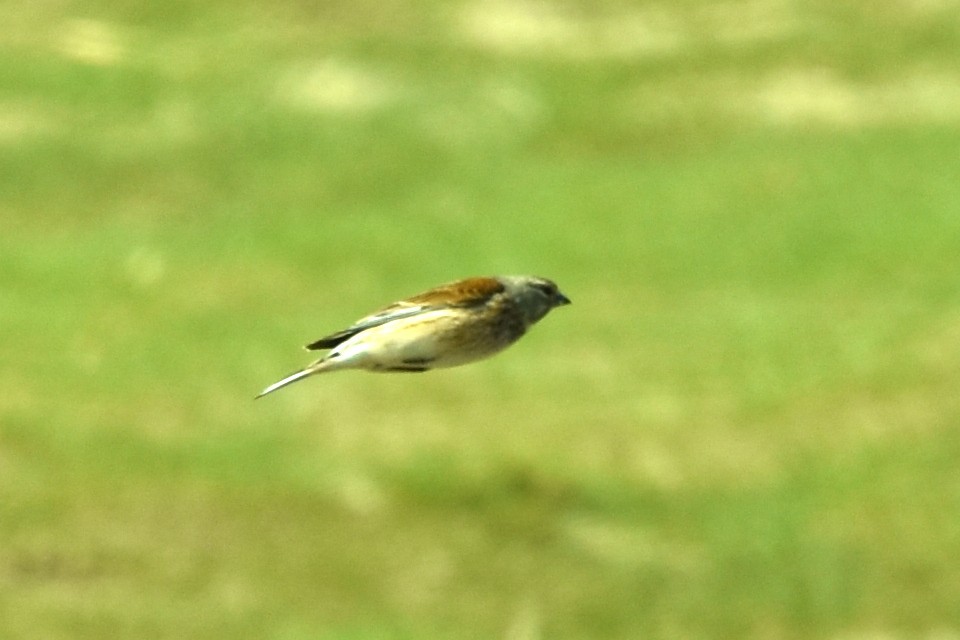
x,y
447,326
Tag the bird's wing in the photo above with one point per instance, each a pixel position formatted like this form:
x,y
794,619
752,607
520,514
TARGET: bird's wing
x,y
393,312
464,293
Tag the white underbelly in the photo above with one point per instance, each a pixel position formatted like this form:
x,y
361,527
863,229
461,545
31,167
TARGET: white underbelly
x,y
433,339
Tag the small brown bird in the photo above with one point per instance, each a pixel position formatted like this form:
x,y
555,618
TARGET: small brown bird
x,y
450,325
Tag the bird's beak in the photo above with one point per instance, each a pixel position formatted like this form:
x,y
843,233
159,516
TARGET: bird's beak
x,y
560,300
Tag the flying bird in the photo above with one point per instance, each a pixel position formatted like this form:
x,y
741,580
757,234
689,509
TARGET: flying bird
x,y
450,325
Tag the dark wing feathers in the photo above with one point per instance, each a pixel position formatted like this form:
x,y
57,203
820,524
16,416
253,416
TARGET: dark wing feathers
x,y
385,315
463,293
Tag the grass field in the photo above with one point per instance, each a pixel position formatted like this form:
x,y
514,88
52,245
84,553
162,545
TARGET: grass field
x,y
747,425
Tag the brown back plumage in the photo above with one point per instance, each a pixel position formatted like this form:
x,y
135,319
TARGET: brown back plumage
x,y
463,293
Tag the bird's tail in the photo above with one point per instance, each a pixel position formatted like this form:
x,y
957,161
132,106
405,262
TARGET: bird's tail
x,y
290,379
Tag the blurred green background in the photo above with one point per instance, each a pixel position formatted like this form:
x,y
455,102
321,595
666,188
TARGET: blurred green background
x,y
746,425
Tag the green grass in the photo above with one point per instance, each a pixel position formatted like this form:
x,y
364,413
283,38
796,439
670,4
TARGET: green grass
x,y
746,425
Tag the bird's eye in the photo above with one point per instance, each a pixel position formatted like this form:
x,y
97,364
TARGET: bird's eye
x,y
545,288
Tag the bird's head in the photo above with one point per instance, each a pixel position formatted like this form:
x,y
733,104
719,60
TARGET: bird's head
x,y
534,296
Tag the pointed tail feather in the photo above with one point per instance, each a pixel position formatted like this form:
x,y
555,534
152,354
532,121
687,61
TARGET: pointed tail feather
x,y
290,379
